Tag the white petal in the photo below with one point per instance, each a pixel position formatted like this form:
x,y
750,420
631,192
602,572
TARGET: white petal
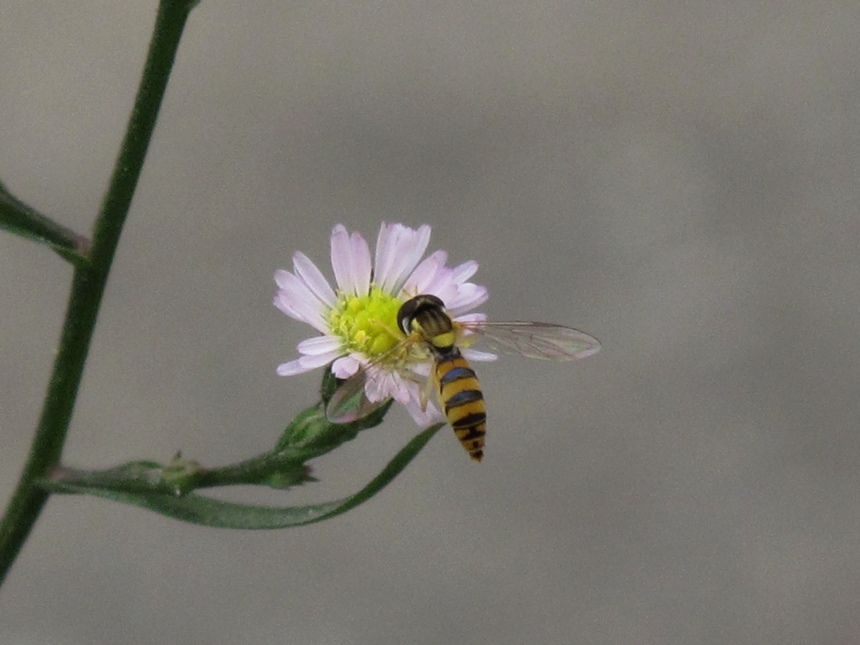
x,y
321,345
291,368
310,362
476,355
306,363
314,279
350,259
471,318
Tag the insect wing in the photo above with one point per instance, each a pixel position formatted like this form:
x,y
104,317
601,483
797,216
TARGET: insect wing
x,y
349,401
535,339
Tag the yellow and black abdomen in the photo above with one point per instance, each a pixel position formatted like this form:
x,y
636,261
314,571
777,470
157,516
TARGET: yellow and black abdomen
x,y
460,394
459,390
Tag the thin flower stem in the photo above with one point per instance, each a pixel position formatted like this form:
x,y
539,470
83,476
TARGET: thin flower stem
x,y
89,283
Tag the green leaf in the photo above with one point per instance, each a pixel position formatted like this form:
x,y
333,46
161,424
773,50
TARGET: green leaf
x,y
206,511
20,219
310,434
328,385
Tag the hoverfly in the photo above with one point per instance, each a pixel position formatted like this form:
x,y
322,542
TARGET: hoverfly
x,y
430,332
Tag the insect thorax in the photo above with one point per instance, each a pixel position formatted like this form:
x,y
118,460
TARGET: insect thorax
x,y
426,316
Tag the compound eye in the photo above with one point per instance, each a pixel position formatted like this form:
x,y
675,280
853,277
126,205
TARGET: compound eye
x,y
406,314
433,301
405,322
410,309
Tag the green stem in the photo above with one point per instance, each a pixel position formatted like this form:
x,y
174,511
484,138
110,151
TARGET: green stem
x,y
88,286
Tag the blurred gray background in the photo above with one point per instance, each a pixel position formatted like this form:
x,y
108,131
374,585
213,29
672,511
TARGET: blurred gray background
x,y
678,178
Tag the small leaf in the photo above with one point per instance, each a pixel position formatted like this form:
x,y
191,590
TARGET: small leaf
x,y
328,385
311,434
289,476
211,512
21,219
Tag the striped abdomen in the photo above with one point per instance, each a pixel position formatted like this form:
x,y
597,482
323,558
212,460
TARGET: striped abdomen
x,y
460,394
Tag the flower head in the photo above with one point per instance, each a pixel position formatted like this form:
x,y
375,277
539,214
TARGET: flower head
x,y
357,319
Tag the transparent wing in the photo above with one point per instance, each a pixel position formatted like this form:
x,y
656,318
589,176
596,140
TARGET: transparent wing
x,y
349,401
533,339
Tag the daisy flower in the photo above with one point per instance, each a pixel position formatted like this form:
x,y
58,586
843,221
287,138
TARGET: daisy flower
x,y
357,319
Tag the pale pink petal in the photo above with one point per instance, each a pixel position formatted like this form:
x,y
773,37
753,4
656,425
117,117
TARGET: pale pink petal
x,y
306,363
350,259
471,318
468,297
378,386
441,284
399,389
393,385
360,267
447,293
310,361
321,345
425,417
414,396
283,305
477,355
292,367
296,291
340,259
412,252
306,309
398,250
464,271
345,366
384,258
383,384
314,279
424,274
282,278
422,370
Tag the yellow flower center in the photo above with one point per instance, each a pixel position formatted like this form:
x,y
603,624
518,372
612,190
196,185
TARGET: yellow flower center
x,y
367,324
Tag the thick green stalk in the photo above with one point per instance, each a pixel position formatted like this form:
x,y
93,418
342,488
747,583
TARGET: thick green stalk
x,y
89,283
